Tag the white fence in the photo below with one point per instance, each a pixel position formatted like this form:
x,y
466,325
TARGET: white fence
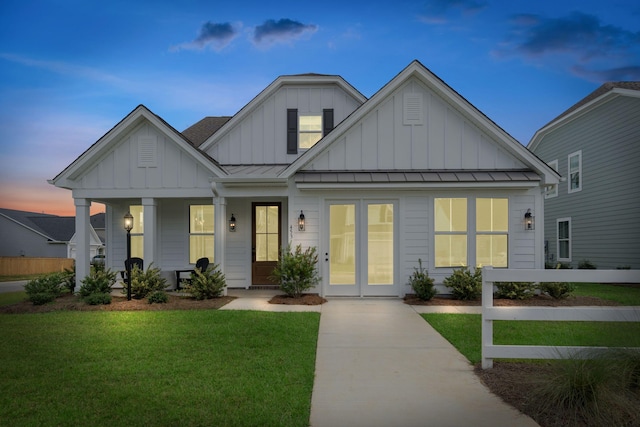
x,y
600,314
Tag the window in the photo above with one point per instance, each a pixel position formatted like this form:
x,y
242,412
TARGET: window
x,y
380,243
492,227
310,131
575,172
137,232
201,232
553,192
564,239
450,241
305,130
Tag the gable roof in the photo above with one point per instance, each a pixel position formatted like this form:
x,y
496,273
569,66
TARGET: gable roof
x,y
438,86
199,132
52,227
602,94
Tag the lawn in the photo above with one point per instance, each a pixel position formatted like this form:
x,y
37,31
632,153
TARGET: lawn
x,y
625,295
8,298
200,367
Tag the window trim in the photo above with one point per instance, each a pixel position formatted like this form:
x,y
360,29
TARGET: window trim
x,y
579,171
553,192
301,132
569,239
504,233
467,231
192,233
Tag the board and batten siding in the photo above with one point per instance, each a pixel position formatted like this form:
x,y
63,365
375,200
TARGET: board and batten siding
x,y
169,166
444,140
604,214
261,138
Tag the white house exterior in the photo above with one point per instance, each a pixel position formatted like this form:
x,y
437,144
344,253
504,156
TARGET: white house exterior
x,y
414,172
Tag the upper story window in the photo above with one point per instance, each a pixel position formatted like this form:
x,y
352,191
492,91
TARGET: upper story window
x,y
305,130
575,171
553,192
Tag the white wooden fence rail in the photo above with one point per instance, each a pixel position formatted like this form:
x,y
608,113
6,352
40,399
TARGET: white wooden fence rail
x,y
600,314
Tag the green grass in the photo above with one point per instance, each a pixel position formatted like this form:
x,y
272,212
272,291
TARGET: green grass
x,y
464,332
625,295
200,367
9,298
17,277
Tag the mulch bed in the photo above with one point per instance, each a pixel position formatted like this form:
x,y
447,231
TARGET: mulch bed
x,y
304,299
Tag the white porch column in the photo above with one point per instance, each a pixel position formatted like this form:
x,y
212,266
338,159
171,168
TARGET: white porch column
x,y
150,231
220,232
83,252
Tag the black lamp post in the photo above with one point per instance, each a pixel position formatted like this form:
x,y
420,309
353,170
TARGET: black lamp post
x,y
128,225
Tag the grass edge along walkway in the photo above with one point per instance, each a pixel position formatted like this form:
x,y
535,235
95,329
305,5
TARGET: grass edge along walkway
x,y
200,367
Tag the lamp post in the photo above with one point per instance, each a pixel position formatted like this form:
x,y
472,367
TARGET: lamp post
x,y
128,225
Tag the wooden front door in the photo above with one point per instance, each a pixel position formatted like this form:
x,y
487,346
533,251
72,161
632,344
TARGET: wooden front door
x,y
265,241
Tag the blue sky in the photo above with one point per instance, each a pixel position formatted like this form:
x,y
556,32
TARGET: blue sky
x,y
71,69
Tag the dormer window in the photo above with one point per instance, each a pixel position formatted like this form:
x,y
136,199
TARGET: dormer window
x,y
305,130
309,131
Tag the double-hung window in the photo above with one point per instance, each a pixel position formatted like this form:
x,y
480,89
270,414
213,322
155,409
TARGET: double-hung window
x,y
564,239
137,232
492,227
201,232
575,171
450,243
304,130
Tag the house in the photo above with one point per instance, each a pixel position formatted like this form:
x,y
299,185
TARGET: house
x,y
594,215
414,172
39,235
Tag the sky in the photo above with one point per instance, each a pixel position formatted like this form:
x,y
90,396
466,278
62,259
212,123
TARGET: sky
x,y
70,70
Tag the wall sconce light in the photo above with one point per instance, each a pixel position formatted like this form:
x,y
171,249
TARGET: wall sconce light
x,y
301,222
529,221
232,223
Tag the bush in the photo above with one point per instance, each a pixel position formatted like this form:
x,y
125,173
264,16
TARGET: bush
x,y
557,290
44,289
98,299
99,281
585,264
158,297
145,282
421,283
206,284
464,284
515,290
69,279
296,271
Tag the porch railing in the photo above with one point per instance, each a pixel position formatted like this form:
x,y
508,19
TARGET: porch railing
x,y
490,313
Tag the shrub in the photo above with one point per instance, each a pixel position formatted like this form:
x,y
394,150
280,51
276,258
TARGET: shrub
x,y
44,289
158,297
515,290
144,282
585,264
99,281
296,271
206,284
69,279
421,283
98,299
464,284
557,290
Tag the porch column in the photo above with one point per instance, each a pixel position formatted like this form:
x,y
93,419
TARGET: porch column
x,y
220,232
150,231
83,252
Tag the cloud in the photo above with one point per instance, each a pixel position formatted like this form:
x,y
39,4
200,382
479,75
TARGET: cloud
x,y
578,41
440,11
212,35
281,31
630,73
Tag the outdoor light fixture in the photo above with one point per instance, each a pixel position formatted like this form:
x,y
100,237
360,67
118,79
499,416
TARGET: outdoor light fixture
x,y
128,225
301,222
529,221
232,223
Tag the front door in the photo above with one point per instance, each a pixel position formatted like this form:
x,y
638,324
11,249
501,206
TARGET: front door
x,y
361,248
265,241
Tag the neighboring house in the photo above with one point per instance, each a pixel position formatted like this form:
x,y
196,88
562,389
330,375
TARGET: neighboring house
x,y
414,172
594,215
36,235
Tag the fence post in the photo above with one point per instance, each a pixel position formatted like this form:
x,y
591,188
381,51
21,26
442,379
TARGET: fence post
x,y
487,324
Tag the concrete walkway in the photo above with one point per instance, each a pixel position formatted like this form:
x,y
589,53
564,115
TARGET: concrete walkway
x,y
378,363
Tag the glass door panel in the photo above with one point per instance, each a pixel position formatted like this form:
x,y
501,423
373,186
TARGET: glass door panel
x,y
342,244
380,244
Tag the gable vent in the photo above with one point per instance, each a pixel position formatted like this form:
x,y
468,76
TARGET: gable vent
x,y
413,109
147,152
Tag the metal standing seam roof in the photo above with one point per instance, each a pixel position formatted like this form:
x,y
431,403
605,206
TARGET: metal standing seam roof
x,y
381,177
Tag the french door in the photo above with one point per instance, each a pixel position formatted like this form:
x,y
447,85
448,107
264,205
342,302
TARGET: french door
x,y
360,249
265,241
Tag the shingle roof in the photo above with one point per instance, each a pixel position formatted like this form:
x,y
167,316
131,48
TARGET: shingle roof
x,y
202,130
55,228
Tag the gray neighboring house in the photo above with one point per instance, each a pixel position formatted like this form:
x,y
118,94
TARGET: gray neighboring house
x,y
594,214
39,235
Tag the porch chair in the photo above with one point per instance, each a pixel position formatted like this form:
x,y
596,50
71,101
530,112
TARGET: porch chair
x,y
201,264
134,262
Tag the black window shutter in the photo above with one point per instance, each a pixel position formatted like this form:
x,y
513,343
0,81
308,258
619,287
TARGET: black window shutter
x,y
327,121
292,131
